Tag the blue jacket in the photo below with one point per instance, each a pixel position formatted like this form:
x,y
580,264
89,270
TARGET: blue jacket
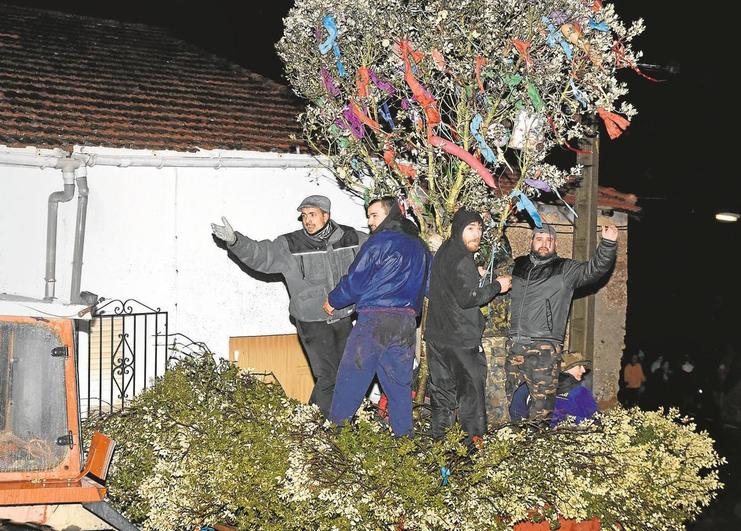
x,y
391,270
572,400
578,403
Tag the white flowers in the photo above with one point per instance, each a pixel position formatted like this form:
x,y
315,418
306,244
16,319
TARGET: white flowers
x,y
501,59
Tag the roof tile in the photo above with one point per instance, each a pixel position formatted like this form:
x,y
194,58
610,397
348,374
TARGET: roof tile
x,y
71,80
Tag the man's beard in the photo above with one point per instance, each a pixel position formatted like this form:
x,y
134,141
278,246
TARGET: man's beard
x,y
536,254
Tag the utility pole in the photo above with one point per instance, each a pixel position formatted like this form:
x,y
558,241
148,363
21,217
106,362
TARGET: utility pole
x,y
581,330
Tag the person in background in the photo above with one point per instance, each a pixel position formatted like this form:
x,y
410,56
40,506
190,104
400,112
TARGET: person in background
x,y
634,379
573,399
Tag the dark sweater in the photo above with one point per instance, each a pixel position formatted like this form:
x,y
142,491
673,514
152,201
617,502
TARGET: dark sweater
x,y
454,317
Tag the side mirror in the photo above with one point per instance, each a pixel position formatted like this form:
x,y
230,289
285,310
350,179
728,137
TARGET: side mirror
x,y
99,456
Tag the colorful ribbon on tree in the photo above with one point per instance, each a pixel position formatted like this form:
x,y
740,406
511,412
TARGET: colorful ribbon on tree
x,y
480,62
614,123
484,148
564,141
385,113
329,85
524,203
573,33
543,186
439,60
445,474
599,26
534,95
363,117
362,78
427,101
331,43
522,47
385,86
389,156
365,76
578,95
619,50
353,122
556,37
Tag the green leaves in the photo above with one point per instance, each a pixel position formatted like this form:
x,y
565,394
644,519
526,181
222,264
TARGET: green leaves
x,y
210,444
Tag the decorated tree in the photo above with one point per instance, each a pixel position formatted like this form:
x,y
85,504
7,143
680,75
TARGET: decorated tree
x,y
450,103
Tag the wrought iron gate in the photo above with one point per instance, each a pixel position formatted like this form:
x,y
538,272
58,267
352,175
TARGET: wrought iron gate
x,y
126,351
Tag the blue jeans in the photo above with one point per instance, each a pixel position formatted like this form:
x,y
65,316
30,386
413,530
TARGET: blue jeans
x,y
381,343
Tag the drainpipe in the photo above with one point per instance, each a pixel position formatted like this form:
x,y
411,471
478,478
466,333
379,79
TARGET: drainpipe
x,y
82,193
68,175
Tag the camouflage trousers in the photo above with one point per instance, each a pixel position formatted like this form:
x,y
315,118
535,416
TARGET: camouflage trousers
x,y
536,363
495,349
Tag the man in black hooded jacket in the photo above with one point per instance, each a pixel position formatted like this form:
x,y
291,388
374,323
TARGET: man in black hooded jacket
x,y
454,326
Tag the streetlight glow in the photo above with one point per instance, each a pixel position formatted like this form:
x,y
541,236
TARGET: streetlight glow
x,y
727,217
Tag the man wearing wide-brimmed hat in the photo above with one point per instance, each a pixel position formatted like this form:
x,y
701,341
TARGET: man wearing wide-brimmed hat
x,y
573,399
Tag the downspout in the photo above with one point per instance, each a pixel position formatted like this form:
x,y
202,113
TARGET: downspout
x,y
82,193
68,175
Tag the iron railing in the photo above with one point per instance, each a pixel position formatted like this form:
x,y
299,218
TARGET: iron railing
x,y
126,351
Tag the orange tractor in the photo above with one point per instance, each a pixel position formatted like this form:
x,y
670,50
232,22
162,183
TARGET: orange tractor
x,y
43,478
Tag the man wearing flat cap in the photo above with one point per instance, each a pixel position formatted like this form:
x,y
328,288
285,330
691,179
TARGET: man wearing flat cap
x,y
312,260
543,285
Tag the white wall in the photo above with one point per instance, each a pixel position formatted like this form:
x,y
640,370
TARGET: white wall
x,y
148,237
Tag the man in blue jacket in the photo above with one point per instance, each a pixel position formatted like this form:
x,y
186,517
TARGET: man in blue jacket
x,y
386,282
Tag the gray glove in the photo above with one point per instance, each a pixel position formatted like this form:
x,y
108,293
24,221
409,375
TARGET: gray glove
x,y
224,232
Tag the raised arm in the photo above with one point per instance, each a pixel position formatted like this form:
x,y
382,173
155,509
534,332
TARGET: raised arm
x,y
580,274
265,256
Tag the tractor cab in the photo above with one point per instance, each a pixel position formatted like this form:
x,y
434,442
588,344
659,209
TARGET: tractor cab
x,y
42,476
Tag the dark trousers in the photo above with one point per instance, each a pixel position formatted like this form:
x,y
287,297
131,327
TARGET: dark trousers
x,y
537,363
457,380
381,344
324,343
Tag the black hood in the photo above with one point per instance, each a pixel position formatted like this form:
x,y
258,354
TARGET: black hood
x,y
397,222
454,245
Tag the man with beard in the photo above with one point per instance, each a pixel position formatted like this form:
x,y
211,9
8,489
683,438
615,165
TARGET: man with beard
x,y
543,285
455,324
311,260
386,282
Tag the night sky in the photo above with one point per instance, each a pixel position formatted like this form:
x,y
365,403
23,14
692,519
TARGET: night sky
x,y
678,156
